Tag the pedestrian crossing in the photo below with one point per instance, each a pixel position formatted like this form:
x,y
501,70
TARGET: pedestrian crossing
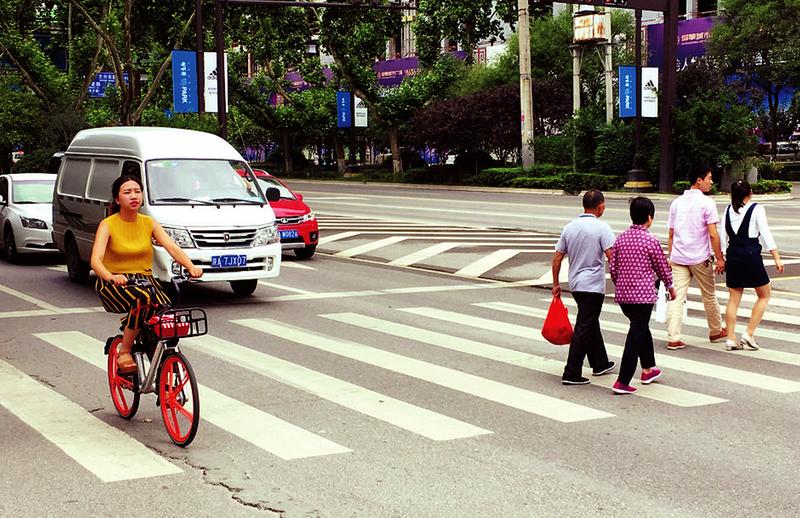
x,y
90,441
466,252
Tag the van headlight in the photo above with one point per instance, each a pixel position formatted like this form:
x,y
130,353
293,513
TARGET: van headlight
x,y
266,236
33,223
181,236
307,217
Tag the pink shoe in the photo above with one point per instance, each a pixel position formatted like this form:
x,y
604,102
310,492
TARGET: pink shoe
x,y
651,376
619,388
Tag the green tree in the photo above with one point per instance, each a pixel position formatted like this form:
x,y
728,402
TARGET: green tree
x,y
760,42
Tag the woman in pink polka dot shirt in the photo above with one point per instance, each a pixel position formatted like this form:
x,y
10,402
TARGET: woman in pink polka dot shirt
x,y
636,260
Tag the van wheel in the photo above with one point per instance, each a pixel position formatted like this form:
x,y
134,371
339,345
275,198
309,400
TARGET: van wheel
x,y
77,269
305,253
244,288
12,256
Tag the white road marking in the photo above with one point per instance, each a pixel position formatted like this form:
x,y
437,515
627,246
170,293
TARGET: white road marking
x,y
514,397
296,265
750,297
47,312
369,247
59,268
702,342
658,392
336,237
263,430
108,453
27,298
284,288
720,372
398,413
487,263
421,255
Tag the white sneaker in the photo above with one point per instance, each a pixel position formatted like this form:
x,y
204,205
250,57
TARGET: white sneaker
x,y
749,342
730,345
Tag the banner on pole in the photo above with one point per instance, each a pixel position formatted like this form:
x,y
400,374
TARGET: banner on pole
x,y
627,91
211,78
344,116
184,81
361,113
649,92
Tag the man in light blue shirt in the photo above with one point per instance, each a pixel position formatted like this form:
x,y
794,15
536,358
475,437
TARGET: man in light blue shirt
x,y
587,242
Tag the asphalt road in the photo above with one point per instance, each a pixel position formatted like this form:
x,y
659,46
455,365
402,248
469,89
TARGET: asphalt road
x,y
353,387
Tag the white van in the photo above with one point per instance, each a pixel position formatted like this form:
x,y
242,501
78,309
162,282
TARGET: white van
x,y
196,185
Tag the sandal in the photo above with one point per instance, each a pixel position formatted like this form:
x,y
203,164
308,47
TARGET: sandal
x,y
125,363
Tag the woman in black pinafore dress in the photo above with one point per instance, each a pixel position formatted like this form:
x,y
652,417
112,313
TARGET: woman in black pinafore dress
x,y
744,266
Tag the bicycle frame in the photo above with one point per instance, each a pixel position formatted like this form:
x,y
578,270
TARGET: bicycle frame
x,y
148,377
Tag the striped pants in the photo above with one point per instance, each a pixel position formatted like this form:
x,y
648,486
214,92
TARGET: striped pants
x,y
135,302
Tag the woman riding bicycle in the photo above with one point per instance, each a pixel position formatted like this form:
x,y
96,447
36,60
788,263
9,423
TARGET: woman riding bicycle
x,y
123,250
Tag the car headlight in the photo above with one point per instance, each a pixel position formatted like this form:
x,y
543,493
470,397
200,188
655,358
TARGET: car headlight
x,y
308,217
181,236
266,236
33,223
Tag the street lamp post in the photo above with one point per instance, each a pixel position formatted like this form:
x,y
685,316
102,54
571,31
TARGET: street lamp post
x,y
525,85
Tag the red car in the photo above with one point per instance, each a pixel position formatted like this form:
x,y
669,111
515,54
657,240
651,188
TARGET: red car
x,y
297,224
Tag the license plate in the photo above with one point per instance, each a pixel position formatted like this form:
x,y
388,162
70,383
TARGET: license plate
x,y
288,234
227,261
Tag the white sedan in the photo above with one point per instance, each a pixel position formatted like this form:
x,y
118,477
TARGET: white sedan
x,y
26,214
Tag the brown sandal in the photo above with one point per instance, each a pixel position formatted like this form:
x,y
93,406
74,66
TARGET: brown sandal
x,y
125,363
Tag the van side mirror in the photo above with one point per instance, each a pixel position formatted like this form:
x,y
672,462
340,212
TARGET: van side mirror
x,y
2,200
299,196
273,194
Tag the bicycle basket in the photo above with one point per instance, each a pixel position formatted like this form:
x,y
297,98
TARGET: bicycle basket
x,y
179,323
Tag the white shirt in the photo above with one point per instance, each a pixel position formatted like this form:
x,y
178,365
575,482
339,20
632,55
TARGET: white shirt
x,y
758,224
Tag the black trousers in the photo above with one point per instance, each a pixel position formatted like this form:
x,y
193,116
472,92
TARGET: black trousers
x,y
587,340
639,342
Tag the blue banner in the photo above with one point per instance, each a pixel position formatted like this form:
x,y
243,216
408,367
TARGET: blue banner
x,y
102,80
344,112
627,92
184,81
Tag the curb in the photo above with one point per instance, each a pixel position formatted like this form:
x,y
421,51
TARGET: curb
x,y
720,198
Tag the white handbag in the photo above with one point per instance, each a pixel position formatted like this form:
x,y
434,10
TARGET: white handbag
x,y
661,304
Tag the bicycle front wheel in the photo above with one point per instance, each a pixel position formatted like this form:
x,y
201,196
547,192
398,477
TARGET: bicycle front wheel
x,y
178,396
122,386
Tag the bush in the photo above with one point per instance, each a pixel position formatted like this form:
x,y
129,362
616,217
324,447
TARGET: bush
x,y
615,148
554,149
497,176
791,172
771,186
577,182
769,170
542,182
441,174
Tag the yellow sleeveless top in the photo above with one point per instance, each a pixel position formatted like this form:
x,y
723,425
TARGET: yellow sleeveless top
x,y
129,248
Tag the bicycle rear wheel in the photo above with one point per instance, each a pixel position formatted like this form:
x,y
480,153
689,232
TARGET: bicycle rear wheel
x,y
122,387
178,396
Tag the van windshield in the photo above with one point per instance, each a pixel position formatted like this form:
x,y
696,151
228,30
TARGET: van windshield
x,y
201,181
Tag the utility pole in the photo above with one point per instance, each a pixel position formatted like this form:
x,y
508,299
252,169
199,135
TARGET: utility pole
x,y
607,66
525,85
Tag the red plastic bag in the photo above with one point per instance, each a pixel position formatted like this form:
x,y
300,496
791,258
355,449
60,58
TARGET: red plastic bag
x,y
557,328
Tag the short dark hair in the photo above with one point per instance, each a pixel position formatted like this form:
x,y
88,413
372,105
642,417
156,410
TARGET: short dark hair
x,y
592,199
740,190
699,171
641,207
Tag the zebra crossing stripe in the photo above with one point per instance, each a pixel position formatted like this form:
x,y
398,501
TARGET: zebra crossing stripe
x,y
263,430
487,263
515,397
657,392
720,372
398,413
336,237
745,312
421,255
697,341
372,245
750,298
108,453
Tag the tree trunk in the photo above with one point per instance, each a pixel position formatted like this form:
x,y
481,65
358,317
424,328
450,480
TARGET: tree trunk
x,y
340,160
287,153
397,162
5,159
